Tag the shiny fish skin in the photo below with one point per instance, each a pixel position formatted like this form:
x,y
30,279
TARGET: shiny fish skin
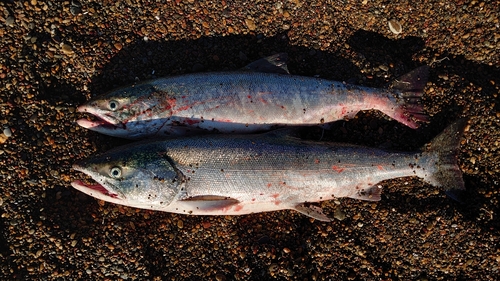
x,y
241,174
245,102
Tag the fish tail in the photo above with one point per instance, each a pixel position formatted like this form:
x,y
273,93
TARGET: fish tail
x,y
441,156
409,90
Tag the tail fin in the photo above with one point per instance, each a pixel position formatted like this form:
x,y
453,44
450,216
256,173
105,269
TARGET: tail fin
x,y
409,91
443,152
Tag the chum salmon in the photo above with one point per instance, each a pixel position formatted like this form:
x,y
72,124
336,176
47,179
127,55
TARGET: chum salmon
x,y
260,97
241,174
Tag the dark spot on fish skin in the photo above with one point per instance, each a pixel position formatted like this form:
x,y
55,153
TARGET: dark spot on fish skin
x,y
322,121
222,170
321,198
304,110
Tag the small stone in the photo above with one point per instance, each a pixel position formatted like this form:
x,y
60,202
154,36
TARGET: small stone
x,y
75,8
180,224
250,24
3,139
339,214
220,277
73,243
273,268
118,46
66,49
395,26
7,132
10,21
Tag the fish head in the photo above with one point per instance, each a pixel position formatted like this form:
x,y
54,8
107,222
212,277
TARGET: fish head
x,y
134,176
125,112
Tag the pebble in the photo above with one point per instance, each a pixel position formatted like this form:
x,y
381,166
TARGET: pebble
x,y
220,277
395,26
66,49
250,24
75,8
7,132
10,21
339,214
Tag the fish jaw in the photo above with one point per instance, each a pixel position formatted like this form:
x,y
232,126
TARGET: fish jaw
x,y
105,123
103,115
97,190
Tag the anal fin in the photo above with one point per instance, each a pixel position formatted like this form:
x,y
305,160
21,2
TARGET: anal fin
x,y
312,211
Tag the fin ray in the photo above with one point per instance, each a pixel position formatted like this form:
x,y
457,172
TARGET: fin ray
x,y
312,211
444,149
272,64
409,91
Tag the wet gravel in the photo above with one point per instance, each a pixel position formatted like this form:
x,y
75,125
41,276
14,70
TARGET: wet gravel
x,y
54,55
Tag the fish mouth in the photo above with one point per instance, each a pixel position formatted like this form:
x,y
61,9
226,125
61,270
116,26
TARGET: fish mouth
x,y
92,189
96,190
103,121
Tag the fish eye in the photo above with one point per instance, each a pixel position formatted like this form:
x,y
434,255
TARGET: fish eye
x,y
115,172
113,105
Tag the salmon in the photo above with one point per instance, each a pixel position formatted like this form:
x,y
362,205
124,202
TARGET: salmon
x,y
241,174
258,98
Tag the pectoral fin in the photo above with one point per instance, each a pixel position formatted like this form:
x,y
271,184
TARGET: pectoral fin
x,y
209,202
272,64
312,211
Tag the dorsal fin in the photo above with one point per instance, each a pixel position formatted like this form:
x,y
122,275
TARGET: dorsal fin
x,y
272,64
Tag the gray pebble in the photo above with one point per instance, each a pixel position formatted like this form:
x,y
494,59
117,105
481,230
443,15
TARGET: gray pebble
x,y
7,132
10,21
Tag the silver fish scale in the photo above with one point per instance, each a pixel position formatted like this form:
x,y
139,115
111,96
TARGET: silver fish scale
x,y
254,168
250,98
